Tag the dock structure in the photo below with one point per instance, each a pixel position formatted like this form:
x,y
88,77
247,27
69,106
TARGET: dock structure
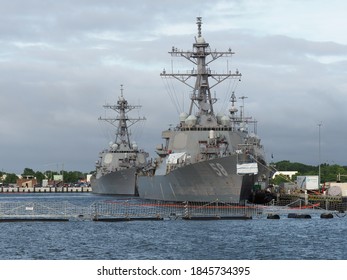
x,y
52,189
41,211
338,203
139,210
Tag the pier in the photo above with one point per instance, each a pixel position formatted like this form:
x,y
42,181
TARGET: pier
x,y
52,189
337,203
142,210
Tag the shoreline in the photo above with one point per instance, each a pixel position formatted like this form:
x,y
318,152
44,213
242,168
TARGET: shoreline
x,y
44,189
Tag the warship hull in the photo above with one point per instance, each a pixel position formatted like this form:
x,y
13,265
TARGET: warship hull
x,y
120,182
205,181
118,164
207,157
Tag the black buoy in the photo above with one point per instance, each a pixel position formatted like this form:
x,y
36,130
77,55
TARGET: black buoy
x,y
299,216
273,216
326,216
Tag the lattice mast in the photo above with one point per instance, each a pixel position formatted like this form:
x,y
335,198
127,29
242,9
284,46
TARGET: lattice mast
x,y
201,56
122,122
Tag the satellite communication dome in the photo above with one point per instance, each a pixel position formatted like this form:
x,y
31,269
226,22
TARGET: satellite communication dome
x,y
224,120
183,116
114,146
200,40
191,120
219,117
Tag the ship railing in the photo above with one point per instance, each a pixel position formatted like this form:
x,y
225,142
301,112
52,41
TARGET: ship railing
x,y
205,128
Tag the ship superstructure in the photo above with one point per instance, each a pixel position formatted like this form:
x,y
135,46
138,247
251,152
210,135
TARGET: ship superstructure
x,y
118,165
207,156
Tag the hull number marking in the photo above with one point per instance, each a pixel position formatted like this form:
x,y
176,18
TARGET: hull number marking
x,y
219,169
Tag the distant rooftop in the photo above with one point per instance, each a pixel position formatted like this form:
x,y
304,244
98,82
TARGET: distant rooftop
x,y
289,174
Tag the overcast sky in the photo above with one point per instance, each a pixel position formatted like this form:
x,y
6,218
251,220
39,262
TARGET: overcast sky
x,y
61,61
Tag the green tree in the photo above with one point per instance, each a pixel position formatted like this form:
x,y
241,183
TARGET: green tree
x,y
39,176
303,169
28,172
329,173
73,176
11,178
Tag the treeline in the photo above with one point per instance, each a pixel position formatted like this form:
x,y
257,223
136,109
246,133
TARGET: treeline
x,y
68,176
329,172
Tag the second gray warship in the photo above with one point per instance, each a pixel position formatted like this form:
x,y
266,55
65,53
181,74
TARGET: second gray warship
x,y
207,157
117,167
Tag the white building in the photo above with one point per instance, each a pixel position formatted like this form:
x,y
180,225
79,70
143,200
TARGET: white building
x,y
288,174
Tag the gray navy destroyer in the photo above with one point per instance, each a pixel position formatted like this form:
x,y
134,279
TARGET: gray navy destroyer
x,y
117,167
207,157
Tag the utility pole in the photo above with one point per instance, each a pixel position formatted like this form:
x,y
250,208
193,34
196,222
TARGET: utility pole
x,y
319,154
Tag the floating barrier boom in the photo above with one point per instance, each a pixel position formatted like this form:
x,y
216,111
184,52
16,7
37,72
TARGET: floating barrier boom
x,y
130,210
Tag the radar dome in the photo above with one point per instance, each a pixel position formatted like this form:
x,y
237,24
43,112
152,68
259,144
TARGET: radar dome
x,y
183,117
219,117
191,120
200,40
224,120
114,146
135,147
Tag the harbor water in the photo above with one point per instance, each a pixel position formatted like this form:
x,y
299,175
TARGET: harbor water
x,y
169,239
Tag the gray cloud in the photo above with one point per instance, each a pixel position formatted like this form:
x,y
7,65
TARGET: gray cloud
x,y
60,61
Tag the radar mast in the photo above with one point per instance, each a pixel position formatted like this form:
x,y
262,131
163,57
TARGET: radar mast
x,y
201,56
